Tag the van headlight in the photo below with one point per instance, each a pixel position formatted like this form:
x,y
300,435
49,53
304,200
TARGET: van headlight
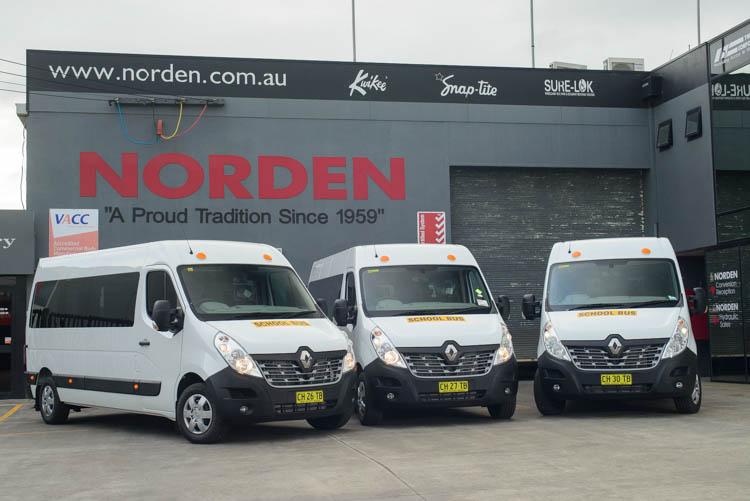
x,y
505,351
679,340
552,343
385,349
350,362
235,355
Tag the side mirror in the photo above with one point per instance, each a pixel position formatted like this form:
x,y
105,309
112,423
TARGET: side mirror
x,y
699,301
530,307
503,304
322,304
162,315
340,312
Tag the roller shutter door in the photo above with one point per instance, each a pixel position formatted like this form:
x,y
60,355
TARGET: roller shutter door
x,y
509,218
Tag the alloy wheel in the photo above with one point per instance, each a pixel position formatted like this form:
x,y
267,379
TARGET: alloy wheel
x,y
48,400
696,396
197,414
361,396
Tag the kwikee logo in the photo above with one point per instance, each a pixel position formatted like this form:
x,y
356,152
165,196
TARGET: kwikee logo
x,y
575,88
732,50
6,242
450,88
364,81
732,91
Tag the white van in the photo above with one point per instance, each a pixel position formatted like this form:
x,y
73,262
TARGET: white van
x,y
206,333
426,331
615,323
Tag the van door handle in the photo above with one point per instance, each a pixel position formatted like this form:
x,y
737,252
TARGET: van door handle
x,y
144,342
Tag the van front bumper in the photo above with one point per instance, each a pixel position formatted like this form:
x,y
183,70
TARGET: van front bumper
x,y
658,382
247,399
406,390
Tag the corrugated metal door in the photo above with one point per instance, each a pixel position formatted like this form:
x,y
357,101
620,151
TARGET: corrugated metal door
x,y
509,218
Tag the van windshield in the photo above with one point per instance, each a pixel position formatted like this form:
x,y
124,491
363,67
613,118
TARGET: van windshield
x,y
616,283
239,291
423,290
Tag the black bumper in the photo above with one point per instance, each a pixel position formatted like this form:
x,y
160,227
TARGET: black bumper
x,y
233,391
411,391
659,382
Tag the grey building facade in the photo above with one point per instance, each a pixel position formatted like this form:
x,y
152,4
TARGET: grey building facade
x,y
314,157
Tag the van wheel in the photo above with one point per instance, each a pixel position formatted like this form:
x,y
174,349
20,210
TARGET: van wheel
x,y
547,405
504,410
692,403
330,422
367,411
197,416
53,411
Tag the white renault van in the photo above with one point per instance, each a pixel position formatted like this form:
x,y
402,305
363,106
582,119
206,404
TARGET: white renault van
x,y
206,333
426,331
615,323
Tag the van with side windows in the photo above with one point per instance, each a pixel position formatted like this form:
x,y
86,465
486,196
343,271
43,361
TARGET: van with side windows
x,y
426,331
206,333
615,323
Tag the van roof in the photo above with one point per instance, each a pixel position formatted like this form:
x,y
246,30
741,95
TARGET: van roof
x,y
612,248
397,254
167,252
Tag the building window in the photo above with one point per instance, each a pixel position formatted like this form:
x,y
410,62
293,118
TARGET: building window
x,y
664,135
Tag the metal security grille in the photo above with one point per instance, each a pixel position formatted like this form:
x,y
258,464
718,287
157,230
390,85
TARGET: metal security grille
x,y
509,218
476,363
284,373
634,357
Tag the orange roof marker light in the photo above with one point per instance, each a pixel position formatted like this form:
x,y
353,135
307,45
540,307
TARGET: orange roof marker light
x,y
646,251
201,255
136,386
267,257
384,259
576,254
451,257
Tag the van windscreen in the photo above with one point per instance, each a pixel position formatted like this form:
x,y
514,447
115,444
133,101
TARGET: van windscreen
x,y
423,290
239,291
613,283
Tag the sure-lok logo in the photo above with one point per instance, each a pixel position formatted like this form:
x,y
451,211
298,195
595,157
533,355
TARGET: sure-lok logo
x,y
364,81
572,88
450,88
738,91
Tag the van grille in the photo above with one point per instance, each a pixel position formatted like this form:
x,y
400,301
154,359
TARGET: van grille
x,y
477,363
634,357
284,373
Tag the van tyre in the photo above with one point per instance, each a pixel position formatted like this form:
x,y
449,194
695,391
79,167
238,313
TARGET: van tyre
x,y
692,403
367,411
547,406
330,422
197,416
53,411
504,410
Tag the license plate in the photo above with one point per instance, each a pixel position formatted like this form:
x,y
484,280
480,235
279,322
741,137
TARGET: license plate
x,y
453,386
309,397
616,379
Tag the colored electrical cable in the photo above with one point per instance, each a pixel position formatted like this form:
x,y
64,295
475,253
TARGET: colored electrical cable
x,y
177,127
195,122
124,128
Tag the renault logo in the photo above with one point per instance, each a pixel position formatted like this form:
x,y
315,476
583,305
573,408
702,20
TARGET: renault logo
x,y
615,347
306,359
451,352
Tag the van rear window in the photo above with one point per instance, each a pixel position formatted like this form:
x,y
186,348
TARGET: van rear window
x,y
101,301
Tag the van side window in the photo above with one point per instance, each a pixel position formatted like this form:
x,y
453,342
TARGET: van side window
x,y
159,286
101,301
328,289
351,292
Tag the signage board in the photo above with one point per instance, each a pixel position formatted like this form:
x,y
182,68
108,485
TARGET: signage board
x,y
16,242
431,227
73,230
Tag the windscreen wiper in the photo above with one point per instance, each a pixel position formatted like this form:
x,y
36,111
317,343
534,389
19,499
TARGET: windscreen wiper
x,y
655,302
408,313
470,309
596,306
295,314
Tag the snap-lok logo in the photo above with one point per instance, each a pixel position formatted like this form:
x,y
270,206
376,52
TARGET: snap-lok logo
x,y
6,242
574,88
466,90
364,81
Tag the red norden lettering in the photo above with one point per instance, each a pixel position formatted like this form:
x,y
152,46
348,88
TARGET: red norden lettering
x,y
277,177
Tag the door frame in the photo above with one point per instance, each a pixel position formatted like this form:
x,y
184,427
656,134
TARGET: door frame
x,y
17,286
